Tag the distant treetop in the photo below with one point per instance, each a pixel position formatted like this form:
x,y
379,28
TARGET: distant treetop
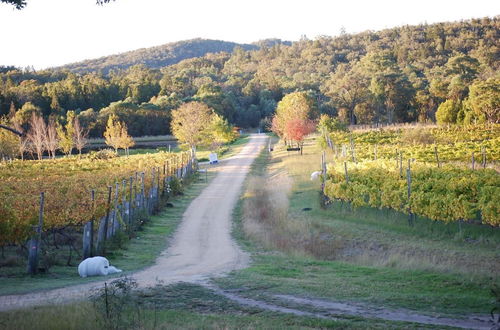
x,y
20,4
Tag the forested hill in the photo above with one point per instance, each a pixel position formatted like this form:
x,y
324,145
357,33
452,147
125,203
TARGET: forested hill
x,y
155,57
447,72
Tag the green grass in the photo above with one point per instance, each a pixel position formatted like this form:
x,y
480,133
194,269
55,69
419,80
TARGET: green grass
x,y
179,306
138,253
371,256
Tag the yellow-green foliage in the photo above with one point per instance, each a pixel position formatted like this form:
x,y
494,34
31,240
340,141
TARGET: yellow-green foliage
x,y
455,143
446,194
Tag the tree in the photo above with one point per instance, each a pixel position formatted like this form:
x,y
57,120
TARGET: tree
x,y
389,85
447,112
20,4
297,129
190,122
113,132
80,135
484,98
347,91
125,140
37,135
24,115
52,138
66,133
220,131
116,134
297,105
329,124
9,142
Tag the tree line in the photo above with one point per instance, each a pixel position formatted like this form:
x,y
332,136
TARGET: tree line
x,y
446,72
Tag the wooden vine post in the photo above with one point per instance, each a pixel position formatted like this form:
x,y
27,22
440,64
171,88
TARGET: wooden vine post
x,y
346,173
408,181
437,156
130,215
101,244
114,218
400,164
483,153
88,231
323,170
34,244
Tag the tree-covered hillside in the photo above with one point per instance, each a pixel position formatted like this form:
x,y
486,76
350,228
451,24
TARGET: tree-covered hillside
x,y
445,71
155,57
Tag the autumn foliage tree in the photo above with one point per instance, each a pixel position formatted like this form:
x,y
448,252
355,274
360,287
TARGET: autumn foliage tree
x,y
297,129
66,133
190,123
294,106
116,134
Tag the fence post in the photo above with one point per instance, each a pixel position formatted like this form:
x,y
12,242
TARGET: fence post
x,y
473,161
88,232
400,164
130,201
102,243
408,181
346,173
323,169
352,149
483,152
34,244
437,156
143,190
115,211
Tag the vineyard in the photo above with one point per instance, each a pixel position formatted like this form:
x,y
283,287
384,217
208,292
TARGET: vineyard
x,y
431,145
445,174
75,191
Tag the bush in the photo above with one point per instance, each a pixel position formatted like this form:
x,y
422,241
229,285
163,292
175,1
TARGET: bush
x,y
102,154
417,136
117,305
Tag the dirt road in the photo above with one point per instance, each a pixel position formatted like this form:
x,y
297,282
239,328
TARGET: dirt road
x,y
202,246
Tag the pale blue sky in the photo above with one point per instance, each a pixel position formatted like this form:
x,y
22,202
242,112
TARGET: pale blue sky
x,y
54,32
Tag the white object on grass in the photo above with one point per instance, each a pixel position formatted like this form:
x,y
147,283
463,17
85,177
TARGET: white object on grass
x,y
315,175
213,158
96,266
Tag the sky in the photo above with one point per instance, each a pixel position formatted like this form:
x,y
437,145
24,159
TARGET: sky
x,y
50,33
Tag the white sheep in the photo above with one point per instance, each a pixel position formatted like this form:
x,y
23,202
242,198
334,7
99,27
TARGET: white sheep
x,y
96,266
315,175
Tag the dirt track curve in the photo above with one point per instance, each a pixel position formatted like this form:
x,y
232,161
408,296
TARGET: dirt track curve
x,y
202,246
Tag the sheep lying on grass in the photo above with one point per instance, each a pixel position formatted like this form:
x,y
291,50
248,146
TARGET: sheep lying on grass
x,y
96,266
315,175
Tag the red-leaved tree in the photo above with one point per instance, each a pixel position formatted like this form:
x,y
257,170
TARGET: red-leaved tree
x,y
297,129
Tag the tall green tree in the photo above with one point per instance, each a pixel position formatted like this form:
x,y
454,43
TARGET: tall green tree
x,y
484,98
347,90
448,111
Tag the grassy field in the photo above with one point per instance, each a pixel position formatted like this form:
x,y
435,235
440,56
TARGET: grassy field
x,y
180,306
364,256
